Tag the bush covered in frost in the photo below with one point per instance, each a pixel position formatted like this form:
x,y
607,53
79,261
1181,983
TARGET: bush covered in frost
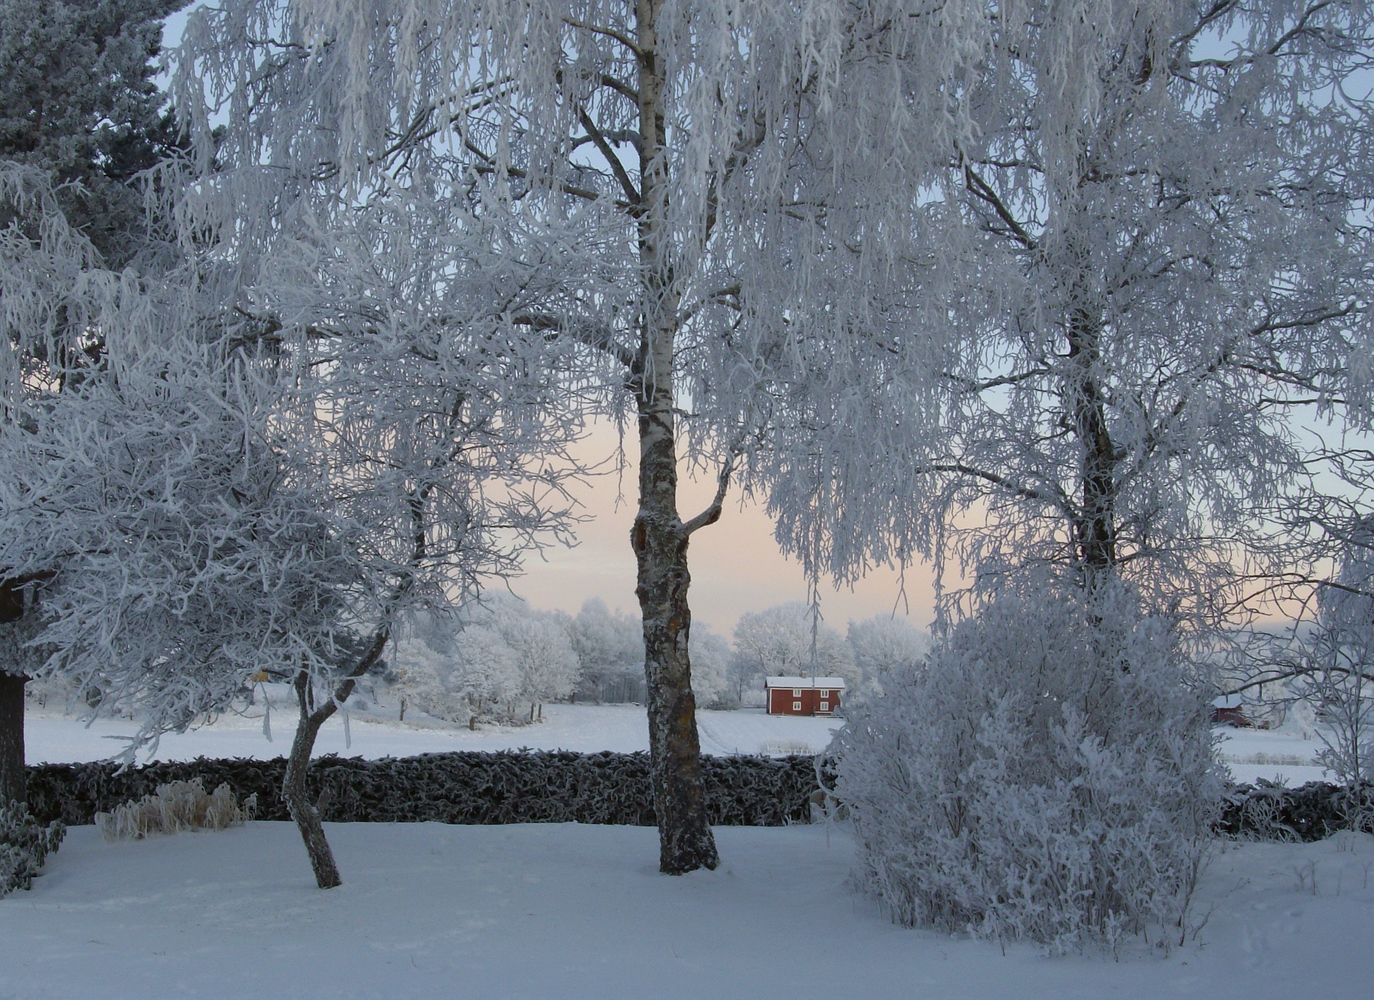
x,y
176,806
24,843
1049,773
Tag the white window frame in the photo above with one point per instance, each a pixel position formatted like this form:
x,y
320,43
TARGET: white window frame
x,y
796,706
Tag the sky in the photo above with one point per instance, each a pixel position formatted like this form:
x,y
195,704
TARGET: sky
x,y
735,564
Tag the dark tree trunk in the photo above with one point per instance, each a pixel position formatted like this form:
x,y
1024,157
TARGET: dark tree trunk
x,y
659,537
12,782
685,839
1096,527
303,811
13,785
307,814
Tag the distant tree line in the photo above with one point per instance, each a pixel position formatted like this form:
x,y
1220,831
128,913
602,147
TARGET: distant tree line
x,y
502,660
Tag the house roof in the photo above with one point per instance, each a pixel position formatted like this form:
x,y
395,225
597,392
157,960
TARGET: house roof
x,y
829,683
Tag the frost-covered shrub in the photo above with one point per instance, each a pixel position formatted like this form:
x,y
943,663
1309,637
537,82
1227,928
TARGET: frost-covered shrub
x,y
1048,774
24,843
175,806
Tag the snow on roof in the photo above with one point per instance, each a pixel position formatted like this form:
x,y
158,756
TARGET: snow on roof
x,y
1228,701
829,683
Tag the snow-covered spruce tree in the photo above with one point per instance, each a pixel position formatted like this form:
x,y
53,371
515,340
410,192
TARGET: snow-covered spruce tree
x,y
622,167
1049,775
78,101
79,110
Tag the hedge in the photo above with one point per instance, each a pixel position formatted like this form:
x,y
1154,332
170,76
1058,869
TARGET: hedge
x,y
561,786
1266,811
462,787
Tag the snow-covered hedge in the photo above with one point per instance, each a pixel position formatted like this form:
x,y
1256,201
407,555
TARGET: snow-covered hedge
x,y
1049,774
467,787
1268,811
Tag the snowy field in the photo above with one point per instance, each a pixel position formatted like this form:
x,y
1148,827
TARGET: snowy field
x,y
568,911
51,736
1286,754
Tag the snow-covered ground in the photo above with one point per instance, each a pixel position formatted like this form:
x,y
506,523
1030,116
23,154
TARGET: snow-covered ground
x,y
569,911
1287,753
51,736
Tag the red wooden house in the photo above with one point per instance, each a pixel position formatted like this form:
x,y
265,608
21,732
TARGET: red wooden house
x,y
803,695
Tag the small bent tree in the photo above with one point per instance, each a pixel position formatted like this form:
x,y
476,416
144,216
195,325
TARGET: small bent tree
x,y
277,498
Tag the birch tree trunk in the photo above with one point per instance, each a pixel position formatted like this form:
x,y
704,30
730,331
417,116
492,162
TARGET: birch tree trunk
x,y
1096,527
659,536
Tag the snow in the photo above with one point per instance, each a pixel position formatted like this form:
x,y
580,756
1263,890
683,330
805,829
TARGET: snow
x,y
573,911
804,682
50,736
570,911
1287,754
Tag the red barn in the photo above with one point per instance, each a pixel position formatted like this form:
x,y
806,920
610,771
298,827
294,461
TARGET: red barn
x,y
803,695
1229,710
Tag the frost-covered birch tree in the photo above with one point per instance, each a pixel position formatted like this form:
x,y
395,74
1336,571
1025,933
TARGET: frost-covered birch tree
x,y
1152,250
625,169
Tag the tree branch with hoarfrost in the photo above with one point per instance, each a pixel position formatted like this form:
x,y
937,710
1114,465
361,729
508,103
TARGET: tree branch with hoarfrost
x,y
1150,264
614,165
79,119
225,503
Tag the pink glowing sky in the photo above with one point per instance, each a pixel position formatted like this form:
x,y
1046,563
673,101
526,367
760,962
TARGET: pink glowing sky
x,y
736,566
